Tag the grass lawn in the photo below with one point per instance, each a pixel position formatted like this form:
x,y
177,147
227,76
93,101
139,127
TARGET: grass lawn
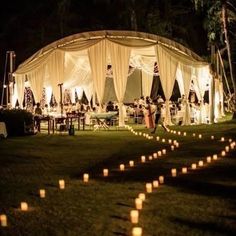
x,y
202,202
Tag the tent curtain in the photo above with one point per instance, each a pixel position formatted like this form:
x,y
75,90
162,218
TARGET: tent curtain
x,y
97,58
20,88
120,56
167,69
221,93
56,72
186,78
202,80
146,83
36,83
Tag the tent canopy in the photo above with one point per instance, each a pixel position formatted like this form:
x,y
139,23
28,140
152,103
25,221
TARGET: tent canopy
x,y
80,61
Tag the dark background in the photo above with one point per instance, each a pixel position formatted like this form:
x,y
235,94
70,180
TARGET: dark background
x,y
28,25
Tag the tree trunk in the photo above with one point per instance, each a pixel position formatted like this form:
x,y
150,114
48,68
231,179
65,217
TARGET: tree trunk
x,y
224,21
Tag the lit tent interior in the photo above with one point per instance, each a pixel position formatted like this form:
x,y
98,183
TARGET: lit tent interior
x,y
80,62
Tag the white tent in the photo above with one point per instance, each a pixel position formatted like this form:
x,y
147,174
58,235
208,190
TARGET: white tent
x,y
80,62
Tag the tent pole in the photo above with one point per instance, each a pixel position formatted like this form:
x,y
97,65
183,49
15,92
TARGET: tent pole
x,y
61,103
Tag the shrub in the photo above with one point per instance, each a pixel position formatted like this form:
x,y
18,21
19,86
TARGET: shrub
x,y
18,122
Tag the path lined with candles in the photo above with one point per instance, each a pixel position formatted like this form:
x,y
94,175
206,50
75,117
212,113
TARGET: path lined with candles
x,y
149,186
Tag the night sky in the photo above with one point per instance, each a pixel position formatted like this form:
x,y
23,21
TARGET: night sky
x,y
26,25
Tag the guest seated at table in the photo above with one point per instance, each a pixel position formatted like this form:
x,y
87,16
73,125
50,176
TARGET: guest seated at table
x,y
110,106
37,115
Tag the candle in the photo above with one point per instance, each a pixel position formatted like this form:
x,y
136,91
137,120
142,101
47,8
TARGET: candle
x,y
174,132
175,141
215,157
194,134
3,220
24,206
232,145
230,140
184,170
179,133
137,231
161,179
140,133
200,136
172,147
200,163
42,193
155,183
155,155
138,203
164,151
150,158
86,178
122,167
131,163
194,166
143,159
149,187
208,159
227,148
222,139
61,183
212,137
177,145
173,172
185,133
158,138
159,153
134,216
142,196
223,153
163,140
105,172
169,141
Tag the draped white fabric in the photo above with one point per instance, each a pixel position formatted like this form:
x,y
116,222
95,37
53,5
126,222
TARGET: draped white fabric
x,y
202,81
147,80
98,61
120,56
221,93
217,100
20,87
186,77
36,83
56,72
167,69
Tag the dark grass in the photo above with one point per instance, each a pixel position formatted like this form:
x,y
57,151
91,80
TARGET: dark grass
x,y
199,203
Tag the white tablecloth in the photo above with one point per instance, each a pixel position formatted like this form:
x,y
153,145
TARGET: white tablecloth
x,y
3,130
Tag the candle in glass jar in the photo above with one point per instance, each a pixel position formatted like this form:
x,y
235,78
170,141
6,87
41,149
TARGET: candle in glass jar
x,y
138,203
155,155
61,183
142,196
159,153
155,183
161,179
163,151
143,159
24,206
122,167
200,163
150,158
131,163
42,193
222,139
149,187
215,157
194,134
169,141
86,178
208,159
3,220
200,136
223,153
185,133
194,166
212,137
184,170
137,231
163,140
158,138
227,148
134,216
173,172
105,172
172,147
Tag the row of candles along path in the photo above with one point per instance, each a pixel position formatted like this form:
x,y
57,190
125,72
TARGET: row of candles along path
x,y
134,214
42,192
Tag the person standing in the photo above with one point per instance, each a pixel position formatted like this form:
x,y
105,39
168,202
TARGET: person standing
x,y
149,114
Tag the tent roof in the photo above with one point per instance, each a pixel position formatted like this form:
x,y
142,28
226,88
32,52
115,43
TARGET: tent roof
x,y
80,41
